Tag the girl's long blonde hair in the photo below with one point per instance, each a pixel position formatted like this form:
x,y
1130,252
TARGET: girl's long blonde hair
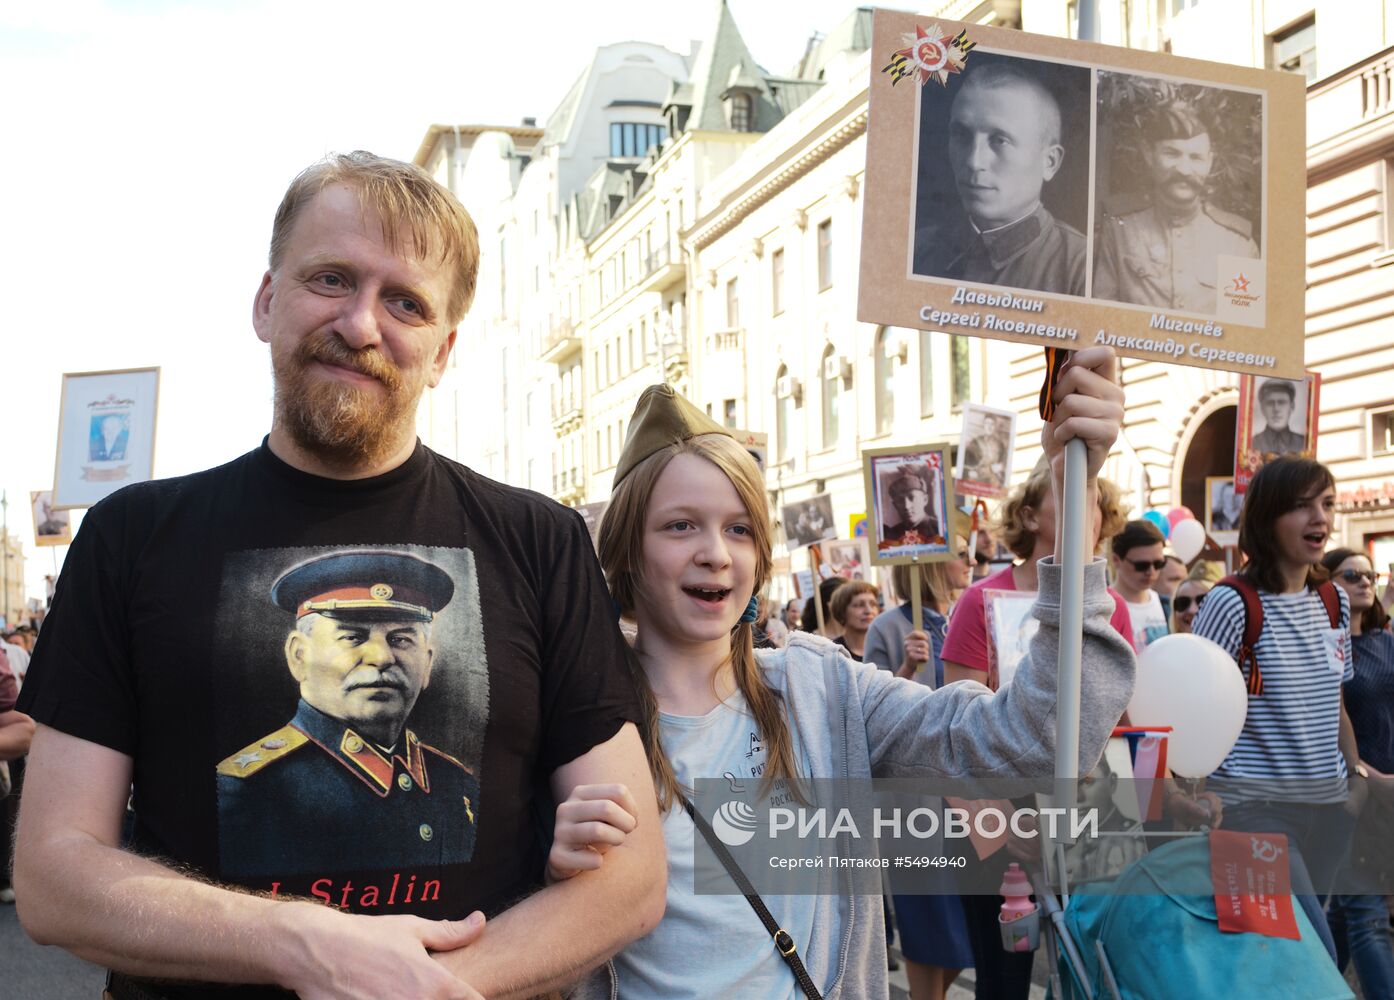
x,y
621,544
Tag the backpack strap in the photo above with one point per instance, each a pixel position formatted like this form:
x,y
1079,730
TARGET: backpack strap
x,y
1253,627
1327,591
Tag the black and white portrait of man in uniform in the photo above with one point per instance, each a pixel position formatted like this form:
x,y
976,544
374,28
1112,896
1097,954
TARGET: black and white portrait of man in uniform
x,y
1280,425
358,646
999,149
1164,250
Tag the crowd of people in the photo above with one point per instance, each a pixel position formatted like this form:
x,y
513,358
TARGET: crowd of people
x,y
489,782
1323,731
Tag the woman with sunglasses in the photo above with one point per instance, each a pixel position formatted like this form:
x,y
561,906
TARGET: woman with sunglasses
x,y
1185,604
1360,923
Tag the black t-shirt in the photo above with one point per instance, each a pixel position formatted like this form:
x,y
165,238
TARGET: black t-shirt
x,y
171,640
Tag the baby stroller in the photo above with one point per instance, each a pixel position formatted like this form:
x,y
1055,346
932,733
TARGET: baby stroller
x,y
1153,933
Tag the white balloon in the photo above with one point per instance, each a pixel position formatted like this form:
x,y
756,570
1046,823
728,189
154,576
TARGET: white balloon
x,y
1194,686
1187,539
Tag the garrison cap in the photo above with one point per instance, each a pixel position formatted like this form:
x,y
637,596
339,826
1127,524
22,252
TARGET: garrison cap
x,y
907,477
375,585
1176,120
661,418
1278,385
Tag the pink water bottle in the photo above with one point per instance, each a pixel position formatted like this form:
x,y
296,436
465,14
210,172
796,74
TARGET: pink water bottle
x,y
1019,919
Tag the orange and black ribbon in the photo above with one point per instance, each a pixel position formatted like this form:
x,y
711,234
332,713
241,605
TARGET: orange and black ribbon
x,y
1056,357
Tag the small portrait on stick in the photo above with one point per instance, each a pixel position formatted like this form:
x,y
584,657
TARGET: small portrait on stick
x,y
910,496
808,521
985,451
1277,418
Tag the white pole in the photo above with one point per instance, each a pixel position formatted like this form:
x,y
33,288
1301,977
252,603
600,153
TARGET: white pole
x,y
1071,554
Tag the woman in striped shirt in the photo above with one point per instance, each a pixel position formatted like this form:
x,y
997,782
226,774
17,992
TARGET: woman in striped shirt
x,y
1293,769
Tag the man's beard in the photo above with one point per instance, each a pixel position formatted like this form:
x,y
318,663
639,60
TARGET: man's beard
x,y
342,424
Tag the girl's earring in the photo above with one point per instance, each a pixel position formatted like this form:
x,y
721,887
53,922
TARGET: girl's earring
x,y
752,611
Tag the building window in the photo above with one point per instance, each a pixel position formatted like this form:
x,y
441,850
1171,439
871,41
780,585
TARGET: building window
x,y
825,254
832,385
961,374
728,412
777,281
783,415
926,374
1177,6
634,138
1295,49
742,117
885,367
1382,432
596,365
733,304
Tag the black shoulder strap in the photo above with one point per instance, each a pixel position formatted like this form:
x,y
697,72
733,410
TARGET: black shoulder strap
x,y
783,943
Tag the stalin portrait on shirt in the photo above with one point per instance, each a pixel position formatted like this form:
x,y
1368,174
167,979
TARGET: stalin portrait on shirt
x,y
345,782
1004,147
1166,253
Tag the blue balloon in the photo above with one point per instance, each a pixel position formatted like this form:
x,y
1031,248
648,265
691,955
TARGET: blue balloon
x,y
1160,520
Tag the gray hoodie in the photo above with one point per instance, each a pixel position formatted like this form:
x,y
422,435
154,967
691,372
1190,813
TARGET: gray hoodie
x,y
856,721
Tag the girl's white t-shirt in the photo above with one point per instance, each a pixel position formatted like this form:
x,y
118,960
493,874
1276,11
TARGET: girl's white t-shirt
x,y
713,945
1289,749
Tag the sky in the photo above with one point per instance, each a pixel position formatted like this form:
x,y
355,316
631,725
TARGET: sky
x,y
150,142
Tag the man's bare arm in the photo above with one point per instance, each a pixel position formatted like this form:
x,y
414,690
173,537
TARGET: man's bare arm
x,y
79,891
553,937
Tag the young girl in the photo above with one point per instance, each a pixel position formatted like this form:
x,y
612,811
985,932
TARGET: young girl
x,y
685,545
1289,770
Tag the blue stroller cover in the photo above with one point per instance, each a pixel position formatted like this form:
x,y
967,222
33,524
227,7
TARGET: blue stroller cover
x,y
1162,937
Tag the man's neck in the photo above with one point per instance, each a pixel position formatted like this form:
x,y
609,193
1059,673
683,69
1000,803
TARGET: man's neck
x,y
284,447
1133,596
1178,213
984,228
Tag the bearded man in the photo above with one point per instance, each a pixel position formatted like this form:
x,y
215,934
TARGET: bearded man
x,y
168,648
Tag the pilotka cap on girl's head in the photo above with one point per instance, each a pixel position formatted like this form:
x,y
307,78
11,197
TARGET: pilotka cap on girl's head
x,y
661,418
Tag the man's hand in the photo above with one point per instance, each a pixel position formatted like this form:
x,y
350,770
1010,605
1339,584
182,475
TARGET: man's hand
x,y
916,653
1088,406
592,820
354,957
1191,811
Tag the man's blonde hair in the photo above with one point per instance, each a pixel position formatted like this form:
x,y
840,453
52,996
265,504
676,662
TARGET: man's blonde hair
x,y
413,207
